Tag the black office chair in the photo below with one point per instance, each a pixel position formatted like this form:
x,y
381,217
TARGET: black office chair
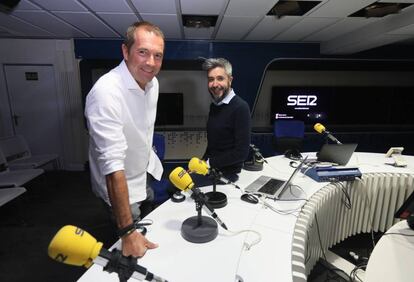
x,y
288,137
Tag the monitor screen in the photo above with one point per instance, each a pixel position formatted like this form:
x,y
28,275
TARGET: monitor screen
x,y
170,109
344,105
308,104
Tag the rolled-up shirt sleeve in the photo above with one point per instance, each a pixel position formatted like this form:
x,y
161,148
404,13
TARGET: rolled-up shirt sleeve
x,y
104,116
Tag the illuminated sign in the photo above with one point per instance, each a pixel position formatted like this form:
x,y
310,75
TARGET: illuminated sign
x,y
302,101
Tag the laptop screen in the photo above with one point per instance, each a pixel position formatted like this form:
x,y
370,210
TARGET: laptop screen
x,y
287,183
336,153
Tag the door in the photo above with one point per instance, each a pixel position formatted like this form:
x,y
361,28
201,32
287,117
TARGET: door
x,y
34,106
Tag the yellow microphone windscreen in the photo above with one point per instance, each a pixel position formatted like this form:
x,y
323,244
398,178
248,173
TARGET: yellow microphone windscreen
x,y
198,166
74,246
319,128
181,179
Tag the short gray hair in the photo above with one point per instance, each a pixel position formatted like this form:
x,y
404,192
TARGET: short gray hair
x,y
218,62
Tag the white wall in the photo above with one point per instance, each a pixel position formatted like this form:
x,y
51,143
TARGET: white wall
x,y
60,54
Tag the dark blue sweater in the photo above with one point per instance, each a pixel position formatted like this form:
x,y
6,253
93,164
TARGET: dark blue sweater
x,y
228,135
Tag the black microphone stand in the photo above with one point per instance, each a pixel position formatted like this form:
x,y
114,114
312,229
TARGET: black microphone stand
x,y
214,198
126,267
178,197
256,163
199,228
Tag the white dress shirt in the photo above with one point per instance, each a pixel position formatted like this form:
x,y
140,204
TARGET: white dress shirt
x,y
121,119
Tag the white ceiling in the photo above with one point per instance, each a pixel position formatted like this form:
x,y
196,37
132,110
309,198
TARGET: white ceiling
x,y
238,20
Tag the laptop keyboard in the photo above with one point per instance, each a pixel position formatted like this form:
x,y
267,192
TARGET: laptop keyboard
x,y
271,186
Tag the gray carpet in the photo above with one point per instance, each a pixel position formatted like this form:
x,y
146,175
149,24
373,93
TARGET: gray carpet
x,y
28,224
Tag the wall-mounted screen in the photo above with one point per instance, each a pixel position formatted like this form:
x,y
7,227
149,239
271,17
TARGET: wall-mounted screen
x,y
344,105
170,109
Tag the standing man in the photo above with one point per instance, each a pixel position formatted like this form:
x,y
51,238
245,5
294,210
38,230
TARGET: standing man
x,y
120,111
228,125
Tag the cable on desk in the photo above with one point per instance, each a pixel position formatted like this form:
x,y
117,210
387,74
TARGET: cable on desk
x,y
248,246
346,202
281,212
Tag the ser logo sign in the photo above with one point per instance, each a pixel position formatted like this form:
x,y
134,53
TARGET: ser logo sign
x,y
302,102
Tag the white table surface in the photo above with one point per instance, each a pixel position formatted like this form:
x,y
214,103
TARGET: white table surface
x,y
225,257
393,257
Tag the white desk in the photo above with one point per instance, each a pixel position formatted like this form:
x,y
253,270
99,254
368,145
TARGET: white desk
x,y
393,256
288,249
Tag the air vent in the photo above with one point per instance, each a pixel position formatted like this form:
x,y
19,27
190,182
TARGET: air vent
x,y
8,5
195,21
380,9
292,8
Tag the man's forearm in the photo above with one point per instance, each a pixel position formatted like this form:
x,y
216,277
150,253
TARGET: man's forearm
x,y
119,197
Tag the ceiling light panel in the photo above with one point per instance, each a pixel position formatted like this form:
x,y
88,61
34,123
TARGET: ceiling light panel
x,y
304,27
155,6
50,23
20,27
271,26
339,28
60,5
202,7
234,28
112,6
119,21
339,8
88,23
168,24
256,8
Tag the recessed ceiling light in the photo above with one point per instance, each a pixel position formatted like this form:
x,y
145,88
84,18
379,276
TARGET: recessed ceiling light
x,y
199,21
292,8
380,9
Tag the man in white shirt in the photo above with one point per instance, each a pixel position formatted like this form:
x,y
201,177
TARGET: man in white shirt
x,y
120,111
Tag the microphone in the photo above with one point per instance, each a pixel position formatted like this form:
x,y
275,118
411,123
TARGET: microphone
x,y
201,167
322,130
183,181
257,153
74,246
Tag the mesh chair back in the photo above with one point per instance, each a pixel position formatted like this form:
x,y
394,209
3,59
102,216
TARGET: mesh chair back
x,y
289,128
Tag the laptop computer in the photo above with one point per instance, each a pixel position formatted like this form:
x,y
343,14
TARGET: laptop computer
x,y
336,153
272,187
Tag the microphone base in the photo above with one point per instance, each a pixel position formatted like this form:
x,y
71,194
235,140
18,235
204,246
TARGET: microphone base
x,y
178,197
216,199
194,232
253,166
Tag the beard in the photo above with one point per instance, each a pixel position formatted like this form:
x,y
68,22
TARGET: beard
x,y
218,99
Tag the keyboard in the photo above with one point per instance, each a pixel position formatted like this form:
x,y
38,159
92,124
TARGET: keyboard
x,y
271,186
